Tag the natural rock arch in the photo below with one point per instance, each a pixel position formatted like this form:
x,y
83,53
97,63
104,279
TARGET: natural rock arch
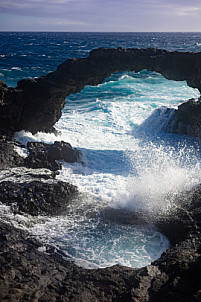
x,y
35,105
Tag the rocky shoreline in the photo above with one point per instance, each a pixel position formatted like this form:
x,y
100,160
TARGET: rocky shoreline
x,y
28,272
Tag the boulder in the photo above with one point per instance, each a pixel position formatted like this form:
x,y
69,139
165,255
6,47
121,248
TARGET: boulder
x,y
36,197
43,155
8,156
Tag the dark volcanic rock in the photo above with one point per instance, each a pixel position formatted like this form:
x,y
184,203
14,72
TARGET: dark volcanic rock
x,y
29,275
26,274
184,120
11,107
43,155
37,197
125,217
8,156
188,117
184,218
35,105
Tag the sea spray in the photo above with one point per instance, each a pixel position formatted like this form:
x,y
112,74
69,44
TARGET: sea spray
x,y
86,238
130,163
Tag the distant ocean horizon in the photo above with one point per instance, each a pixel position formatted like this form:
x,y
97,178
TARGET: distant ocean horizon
x,y
33,54
131,164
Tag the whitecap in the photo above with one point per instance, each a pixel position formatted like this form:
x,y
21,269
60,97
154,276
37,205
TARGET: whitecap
x,y
125,76
16,68
24,137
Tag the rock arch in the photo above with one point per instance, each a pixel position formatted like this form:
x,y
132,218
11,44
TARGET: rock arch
x,y
35,105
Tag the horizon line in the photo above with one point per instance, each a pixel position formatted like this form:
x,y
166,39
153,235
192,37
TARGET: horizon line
x,y
58,31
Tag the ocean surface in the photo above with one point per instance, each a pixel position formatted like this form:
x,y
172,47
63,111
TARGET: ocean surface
x,y
130,163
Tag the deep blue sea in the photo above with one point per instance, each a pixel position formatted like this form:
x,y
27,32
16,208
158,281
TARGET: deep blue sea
x,y
35,54
130,163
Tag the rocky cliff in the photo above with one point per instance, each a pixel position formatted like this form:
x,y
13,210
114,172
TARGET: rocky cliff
x,y
35,105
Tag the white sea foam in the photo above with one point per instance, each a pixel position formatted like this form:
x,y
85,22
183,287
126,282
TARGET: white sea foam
x,y
128,165
16,68
92,242
120,167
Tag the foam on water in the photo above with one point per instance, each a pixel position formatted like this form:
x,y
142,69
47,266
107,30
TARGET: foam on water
x,y
128,164
91,242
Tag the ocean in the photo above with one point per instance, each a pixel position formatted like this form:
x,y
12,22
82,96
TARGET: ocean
x,y
131,164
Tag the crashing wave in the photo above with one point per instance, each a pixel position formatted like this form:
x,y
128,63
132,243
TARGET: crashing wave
x,y
161,119
175,120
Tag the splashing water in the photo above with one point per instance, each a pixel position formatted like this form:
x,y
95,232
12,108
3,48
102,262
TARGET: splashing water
x,y
130,164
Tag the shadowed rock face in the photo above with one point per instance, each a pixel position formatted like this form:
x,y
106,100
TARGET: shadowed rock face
x,y
35,105
188,118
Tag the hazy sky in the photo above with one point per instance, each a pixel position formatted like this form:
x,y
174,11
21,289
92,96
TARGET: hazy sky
x,y
100,15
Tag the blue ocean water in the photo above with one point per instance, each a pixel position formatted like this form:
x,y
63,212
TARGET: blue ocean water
x,y
33,54
130,163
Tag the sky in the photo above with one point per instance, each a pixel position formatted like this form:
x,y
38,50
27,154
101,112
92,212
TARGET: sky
x,y
101,15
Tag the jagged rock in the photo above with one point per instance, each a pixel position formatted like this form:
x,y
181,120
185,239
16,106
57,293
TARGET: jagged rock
x,y
184,120
40,155
11,106
27,274
35,105
8,156
43,155
188,117
37,197
125,217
